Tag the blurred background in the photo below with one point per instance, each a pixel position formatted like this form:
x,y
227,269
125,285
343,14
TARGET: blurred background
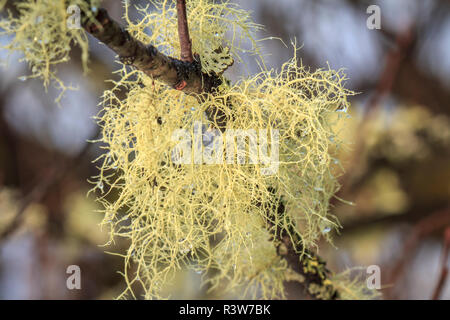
x,y
397,181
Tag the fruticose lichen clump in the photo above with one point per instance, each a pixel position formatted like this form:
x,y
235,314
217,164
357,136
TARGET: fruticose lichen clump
x,y
214,215
43,31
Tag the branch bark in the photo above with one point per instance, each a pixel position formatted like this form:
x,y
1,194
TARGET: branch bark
x,y
312,270
178,74
444,268
183,32
181,75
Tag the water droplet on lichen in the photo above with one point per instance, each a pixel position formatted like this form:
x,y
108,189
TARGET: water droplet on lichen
x,y
326,230
100,186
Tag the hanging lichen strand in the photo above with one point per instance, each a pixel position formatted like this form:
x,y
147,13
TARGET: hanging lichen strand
x,y
43,31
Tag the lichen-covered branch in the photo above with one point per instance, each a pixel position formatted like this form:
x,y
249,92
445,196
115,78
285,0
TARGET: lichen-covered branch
x,y
311,270
186,75
181,75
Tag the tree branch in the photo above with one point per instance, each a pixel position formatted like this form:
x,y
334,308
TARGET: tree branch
x,y
444,269
181,75
426,226
183,32
394,59
312,271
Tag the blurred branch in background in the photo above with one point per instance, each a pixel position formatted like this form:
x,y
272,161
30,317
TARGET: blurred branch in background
x,y
44,163
432,223
50,179
444,266
392,64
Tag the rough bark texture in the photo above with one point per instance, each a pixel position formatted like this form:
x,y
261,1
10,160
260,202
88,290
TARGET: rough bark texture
x,y
180,75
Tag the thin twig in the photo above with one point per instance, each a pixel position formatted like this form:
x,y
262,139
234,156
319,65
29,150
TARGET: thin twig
x,y
444,267
180,75
183,32
430,224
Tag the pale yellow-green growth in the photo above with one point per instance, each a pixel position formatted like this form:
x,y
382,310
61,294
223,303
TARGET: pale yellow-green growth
x,y
210,217
352,285
217,213
40,30
220,32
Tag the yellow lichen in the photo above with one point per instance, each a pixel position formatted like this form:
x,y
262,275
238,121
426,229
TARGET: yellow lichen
x,y
354,287
219,31
40,31
216,213
214,216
